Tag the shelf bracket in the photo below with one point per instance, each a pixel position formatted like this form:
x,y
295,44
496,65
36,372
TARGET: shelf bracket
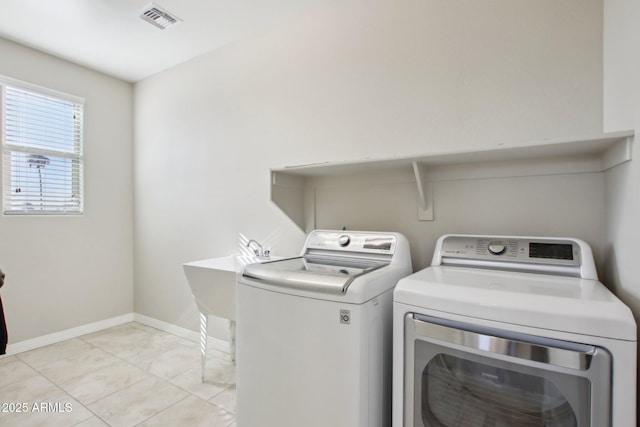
x,y
425,192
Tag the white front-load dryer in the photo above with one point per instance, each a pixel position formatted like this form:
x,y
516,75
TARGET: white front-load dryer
x,y
512,331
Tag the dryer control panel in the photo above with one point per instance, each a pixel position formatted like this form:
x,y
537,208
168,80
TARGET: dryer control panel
x,y
553,251
566,256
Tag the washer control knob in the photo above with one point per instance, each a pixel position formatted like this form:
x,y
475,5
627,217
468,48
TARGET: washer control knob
x,y
497,248
344,240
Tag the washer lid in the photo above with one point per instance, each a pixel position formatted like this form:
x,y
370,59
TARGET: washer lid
x,y
557,303
313,273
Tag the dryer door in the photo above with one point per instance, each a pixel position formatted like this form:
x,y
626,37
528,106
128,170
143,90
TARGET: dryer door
x,y
464,375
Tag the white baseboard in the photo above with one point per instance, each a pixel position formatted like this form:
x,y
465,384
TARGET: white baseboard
x,y
31,344
215,343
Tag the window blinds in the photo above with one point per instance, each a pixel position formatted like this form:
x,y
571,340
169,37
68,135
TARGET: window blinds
x,y
42,153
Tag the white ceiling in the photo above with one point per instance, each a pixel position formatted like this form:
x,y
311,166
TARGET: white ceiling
x,y
109,35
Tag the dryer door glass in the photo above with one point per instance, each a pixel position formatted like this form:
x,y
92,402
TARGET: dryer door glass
x,y
461,392
466,375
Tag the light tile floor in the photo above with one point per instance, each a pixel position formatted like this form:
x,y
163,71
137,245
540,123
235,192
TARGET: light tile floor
x,y
128,375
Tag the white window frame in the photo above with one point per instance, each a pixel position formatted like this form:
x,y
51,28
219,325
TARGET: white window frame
x,y
48,202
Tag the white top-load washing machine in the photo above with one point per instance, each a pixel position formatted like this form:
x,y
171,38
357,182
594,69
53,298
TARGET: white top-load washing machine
x,y
314,333
512,331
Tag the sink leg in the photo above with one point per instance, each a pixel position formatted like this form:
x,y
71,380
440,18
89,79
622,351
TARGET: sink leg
x,y
204,320
232,337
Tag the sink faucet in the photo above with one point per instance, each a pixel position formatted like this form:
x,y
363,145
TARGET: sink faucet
x,y
259,251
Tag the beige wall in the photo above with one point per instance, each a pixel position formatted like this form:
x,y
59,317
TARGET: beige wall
x,y
622,110
64,272
357,79
344,81
554,205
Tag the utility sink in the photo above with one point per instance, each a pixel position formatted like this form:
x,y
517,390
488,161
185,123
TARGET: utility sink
x,y
213,286
213,283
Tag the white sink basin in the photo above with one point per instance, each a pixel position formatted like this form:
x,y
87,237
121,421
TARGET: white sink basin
x,y
213,286
213,283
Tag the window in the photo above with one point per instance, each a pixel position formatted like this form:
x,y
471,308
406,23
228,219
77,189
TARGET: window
x,y
41,150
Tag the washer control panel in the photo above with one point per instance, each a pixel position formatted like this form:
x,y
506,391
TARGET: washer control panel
x,y
353,241
512,249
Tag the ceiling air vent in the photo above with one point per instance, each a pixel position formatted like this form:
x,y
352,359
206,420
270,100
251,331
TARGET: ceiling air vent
x,y
158,17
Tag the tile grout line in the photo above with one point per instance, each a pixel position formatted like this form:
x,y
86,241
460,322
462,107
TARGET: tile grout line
x,y
163,409
56,385
94,346
59,387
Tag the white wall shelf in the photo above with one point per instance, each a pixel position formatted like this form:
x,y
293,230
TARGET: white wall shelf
x,y
293,187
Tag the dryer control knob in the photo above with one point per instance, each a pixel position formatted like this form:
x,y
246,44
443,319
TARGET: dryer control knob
x,y
344,240
497,248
